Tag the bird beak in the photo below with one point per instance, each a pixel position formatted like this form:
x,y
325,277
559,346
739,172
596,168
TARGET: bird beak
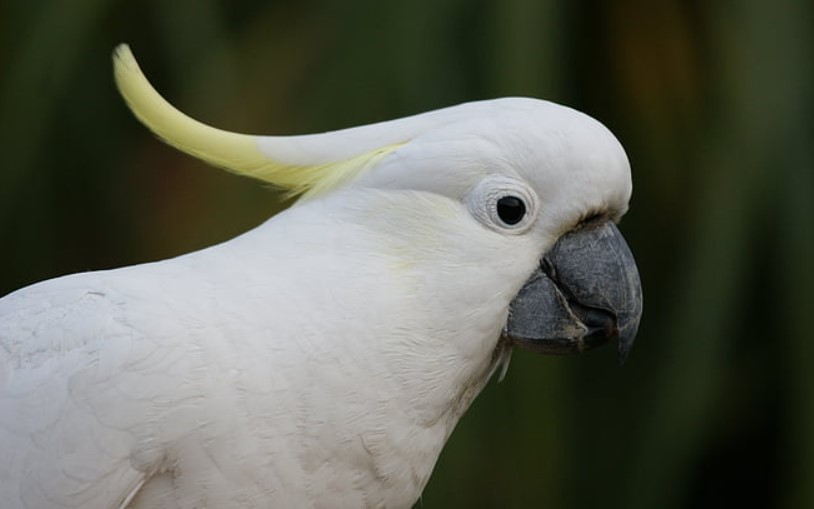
x,y
585,292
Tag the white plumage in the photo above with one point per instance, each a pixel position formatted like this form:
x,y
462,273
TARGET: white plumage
x,y
319,360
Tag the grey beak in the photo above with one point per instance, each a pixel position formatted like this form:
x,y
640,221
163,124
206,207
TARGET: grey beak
x,y
585,292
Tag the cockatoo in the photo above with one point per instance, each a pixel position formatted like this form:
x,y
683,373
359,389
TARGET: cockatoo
x,y
323,358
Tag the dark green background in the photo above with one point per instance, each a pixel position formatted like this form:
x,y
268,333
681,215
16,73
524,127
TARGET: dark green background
x,y
712,99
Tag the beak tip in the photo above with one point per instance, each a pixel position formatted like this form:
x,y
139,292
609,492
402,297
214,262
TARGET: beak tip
x,y
623,353
626,336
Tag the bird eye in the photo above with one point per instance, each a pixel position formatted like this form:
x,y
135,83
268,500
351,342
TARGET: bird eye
x,y
504,204
511,210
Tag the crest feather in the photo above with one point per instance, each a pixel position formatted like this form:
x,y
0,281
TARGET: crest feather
x,y
238,153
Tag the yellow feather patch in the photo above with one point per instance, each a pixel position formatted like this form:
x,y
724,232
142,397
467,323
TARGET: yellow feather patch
x,y
235,152
314,180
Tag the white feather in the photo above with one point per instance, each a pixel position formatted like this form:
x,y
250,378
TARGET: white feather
x,y
320,360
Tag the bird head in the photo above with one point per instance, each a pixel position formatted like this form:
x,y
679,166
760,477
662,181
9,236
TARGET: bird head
x,y
526,193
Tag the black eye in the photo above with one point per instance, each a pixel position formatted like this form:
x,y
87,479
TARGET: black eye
x,y
511,209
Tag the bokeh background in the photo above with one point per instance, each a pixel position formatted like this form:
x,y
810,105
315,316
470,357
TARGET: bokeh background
x,y
713,101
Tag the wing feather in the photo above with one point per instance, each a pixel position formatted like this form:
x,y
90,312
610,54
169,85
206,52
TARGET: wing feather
x,y
74,395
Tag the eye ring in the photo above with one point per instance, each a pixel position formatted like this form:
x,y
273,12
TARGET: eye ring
x,y
503,204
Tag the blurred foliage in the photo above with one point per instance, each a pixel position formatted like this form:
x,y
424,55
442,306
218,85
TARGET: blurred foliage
x,y
713,101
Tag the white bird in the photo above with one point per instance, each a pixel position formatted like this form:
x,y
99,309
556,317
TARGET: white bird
x,y
323,358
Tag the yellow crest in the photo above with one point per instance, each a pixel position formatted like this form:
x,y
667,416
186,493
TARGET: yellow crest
x,y
239,153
